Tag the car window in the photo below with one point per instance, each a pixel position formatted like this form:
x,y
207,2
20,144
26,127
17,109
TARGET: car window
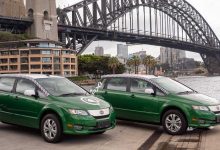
x,y
139,86
7,84
61,87
23,85
119,84
159,92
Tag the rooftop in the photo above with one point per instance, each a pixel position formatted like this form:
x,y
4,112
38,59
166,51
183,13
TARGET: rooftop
x,y
31,41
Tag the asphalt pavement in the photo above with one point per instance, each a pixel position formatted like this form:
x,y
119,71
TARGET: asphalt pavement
x,y
126,136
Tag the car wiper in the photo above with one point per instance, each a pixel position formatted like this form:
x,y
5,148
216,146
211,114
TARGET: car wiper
x,y
71,94
186,92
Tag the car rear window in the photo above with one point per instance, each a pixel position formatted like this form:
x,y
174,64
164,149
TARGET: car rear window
x,y
6,84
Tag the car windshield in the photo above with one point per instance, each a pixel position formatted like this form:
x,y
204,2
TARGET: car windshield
x,y
172,86
61,87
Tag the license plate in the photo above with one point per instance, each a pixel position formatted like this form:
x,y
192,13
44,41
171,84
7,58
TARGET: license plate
x,y
103,124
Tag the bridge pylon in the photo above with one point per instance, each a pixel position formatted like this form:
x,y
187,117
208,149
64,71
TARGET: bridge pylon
x,y
44,15
212,63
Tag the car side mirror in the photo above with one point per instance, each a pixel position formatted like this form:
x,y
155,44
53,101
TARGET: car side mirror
x,y
30,93
99,84
149,91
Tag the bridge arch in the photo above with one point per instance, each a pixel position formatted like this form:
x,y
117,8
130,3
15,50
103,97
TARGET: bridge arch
x,y
99,15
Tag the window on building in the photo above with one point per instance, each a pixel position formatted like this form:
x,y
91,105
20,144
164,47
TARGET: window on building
x,y
35,67
46,60
24,67
47,67
14,52
73,67
65,52
66,60
56,67
4,53
31,13
14,67
66,67
56,53
35,59
56,60
3,61
24,60
3,68
35,51
73,60
46,15
13,60
46,52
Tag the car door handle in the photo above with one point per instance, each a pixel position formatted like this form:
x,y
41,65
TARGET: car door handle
x,y
16,97
132,96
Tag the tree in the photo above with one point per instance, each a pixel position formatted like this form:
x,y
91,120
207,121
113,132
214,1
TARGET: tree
x,y
113,63
91,64
149,62
134,61
129,63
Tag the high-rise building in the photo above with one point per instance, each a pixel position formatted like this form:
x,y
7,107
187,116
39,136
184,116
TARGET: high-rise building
x,y
99,51
171,56
122,51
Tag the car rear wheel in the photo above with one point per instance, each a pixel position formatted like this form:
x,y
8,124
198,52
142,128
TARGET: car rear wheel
x,y
174,122
51,129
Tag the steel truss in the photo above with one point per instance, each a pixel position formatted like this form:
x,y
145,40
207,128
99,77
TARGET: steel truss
x,y
170,23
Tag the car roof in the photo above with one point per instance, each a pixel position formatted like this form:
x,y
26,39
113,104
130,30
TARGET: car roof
x,y
131,76
30,76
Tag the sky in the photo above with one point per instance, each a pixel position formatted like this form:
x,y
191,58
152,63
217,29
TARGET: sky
x,y
210,10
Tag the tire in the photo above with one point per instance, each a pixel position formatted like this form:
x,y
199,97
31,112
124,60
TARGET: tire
x,y
174,122
51,129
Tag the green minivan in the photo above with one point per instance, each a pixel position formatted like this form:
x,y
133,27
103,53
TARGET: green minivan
x,y
54,105
158,100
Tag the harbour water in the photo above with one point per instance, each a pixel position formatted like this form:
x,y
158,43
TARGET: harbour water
x,y
206,85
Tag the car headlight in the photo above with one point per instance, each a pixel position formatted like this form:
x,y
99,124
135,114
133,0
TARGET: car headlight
x,y
215,108
203,108
78,112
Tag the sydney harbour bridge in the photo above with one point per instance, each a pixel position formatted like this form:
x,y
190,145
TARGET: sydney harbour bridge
x,y
168,23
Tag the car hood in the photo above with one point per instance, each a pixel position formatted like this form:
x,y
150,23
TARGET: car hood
x,y
200,98
81,102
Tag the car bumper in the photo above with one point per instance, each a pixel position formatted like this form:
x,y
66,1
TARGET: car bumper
x,y
202,119
89,124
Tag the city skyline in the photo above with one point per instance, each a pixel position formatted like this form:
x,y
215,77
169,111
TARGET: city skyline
x,y
202,6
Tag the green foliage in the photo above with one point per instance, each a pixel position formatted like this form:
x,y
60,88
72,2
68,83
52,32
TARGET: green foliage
x,y
150,63
90,64
113,63
7,36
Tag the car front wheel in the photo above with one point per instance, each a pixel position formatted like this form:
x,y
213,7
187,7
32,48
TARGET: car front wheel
x,y
174,122
51,129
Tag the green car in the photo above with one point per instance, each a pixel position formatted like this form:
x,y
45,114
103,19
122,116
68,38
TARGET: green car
x,y
54,105
158,100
